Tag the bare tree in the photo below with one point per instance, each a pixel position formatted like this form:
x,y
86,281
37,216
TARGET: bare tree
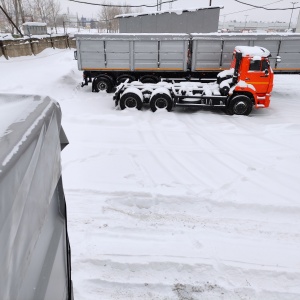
x,y
21,10
41,8
54,9
8,6
107,15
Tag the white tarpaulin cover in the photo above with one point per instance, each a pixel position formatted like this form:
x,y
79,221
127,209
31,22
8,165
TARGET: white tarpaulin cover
x,y
34,252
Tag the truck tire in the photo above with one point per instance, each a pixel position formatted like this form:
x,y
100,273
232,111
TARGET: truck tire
x,y
239,105
161,101
102,84
131,100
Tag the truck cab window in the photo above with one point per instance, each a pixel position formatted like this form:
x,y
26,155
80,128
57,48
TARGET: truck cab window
x,y
254,65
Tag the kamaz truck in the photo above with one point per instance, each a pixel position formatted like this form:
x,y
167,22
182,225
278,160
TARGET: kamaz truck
x,y
246,84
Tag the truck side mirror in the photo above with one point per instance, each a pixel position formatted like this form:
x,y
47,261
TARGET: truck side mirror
x,y
266,72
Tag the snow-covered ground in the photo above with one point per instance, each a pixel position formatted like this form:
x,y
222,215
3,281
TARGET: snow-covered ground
x,y
191,204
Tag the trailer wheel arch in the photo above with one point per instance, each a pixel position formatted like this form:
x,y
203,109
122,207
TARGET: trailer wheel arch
x,y
239,104
103,82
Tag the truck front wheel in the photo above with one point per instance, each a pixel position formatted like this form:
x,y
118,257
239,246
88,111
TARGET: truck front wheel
x,y
161,101
240,105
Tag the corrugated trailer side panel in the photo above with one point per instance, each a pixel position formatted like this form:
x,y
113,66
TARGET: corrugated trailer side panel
x,y
132,52
118,54
173,55
290,54
145,55
91,54
213,51
206,53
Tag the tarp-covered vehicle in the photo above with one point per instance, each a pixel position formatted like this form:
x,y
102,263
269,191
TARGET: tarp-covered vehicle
x,y
35,251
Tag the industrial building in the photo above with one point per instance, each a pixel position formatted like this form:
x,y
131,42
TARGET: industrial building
x,y
202,20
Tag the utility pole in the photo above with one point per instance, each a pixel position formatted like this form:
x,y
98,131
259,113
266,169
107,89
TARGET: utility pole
x,y
292,13
158,5
210,2
245,21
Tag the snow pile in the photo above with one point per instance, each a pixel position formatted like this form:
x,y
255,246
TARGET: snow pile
x,y
192,204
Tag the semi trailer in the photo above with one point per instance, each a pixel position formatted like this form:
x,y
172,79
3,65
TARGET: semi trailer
x,y
110,59
246,84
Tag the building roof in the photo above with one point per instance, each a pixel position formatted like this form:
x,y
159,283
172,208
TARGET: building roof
x,y
175,11
34,24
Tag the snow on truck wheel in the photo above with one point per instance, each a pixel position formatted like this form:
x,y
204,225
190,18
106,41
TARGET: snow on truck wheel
x,y
161,100
131,98
240,105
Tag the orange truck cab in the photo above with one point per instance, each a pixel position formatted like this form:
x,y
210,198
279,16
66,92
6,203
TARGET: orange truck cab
x,y
253,74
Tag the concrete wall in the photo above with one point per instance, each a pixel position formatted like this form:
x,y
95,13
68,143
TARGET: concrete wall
x,y
29,46
200,21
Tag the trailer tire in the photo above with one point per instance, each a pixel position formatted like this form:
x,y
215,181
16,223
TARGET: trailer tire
x,y
102,84
239,105
149,79
131,100
161,101
124,77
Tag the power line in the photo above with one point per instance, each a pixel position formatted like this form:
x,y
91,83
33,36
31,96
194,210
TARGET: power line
x,y
262,7
117,5
236,12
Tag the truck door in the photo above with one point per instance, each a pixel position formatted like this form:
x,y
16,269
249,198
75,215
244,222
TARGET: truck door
x,y
259,75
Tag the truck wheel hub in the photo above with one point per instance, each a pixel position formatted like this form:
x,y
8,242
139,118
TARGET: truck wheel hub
x,y
102,86
161,103
240,108
130,103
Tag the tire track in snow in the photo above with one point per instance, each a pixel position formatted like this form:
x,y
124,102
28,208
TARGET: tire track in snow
x,y
179,280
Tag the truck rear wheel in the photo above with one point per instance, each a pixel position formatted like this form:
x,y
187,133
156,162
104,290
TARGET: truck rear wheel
x,y
161,101
131,100
102,84
240,105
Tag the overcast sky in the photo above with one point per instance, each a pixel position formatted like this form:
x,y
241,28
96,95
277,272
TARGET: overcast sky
x,y
232,10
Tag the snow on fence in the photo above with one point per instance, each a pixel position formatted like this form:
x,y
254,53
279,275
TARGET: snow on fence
x,y
34,45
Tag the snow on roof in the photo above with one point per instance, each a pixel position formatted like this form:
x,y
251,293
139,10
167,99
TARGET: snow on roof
x,y
176,11
34,24
253,51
